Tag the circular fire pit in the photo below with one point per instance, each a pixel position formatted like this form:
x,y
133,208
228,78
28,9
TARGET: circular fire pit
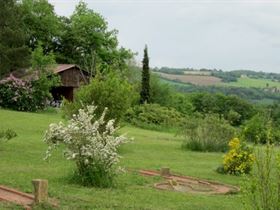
x,y
186,184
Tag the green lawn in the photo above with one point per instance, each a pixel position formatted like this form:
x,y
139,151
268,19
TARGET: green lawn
x,y
21,160
250,82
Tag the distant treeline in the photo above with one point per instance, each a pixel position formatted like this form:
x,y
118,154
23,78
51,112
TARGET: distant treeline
x,y
226,76
250,94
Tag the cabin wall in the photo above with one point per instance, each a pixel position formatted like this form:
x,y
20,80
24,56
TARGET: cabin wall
x,y
73,78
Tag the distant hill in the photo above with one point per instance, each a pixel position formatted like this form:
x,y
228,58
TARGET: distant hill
x,y
254,86
225,76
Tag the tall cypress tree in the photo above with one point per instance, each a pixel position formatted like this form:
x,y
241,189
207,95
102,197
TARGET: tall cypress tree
x,y
145,91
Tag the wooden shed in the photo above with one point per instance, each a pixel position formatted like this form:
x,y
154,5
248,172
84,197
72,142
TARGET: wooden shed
x,y
72,77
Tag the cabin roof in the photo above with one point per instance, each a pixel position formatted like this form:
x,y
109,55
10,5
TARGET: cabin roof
x,y
64,67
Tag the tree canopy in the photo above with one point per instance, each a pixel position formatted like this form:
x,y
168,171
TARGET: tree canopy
x,y
83,38
13,51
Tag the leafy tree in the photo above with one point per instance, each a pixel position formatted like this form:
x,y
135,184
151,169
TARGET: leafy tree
x,y
160,93
145,91
87,42
41,24
41,62
164,95
109,91
260,129
14,53
232,108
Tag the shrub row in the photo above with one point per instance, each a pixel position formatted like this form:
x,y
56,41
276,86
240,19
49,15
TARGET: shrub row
x,y
154,116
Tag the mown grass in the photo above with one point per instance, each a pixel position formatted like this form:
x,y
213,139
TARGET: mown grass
x,y
21,160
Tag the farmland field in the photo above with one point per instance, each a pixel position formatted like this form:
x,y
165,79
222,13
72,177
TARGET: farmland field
x,y
205,80
22,160
193,79
205,73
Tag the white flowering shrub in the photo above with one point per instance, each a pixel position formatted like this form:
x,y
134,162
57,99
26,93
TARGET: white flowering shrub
x,y
91,143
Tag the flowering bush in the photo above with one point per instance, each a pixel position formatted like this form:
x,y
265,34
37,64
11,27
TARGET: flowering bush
x,y
15,94
90,143
23,95
239,159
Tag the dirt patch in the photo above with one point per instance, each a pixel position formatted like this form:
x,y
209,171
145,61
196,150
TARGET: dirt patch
x,y
190,184
193,79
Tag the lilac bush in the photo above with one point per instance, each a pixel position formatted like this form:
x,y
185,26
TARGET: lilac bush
x,y
21,95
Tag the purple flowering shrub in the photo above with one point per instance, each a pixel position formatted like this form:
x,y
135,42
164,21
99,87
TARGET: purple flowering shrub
x,y
21,95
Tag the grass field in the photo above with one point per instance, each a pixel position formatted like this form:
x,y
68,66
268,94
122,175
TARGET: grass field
x,y
21,160
193,79
250,82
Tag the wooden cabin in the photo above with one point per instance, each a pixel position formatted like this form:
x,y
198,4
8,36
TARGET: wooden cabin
x,y
72,77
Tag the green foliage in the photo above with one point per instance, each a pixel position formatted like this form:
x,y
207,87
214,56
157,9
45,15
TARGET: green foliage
x,y
160,93
262,188
165,95
232,108
275,113
41,62
181,103
33,94
209,134
246,93
239,159
225,76
41,89
87,42
14,53
40,23
7,135
154,116
109,91
259,129
145,88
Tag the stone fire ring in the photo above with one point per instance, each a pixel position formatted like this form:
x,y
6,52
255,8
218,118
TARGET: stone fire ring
x,y
186,184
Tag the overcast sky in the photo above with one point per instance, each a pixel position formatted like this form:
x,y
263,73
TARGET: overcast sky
x,y
221,34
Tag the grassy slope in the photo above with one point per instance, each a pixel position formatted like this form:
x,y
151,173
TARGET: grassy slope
x,y
21,160
250,82
241,82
